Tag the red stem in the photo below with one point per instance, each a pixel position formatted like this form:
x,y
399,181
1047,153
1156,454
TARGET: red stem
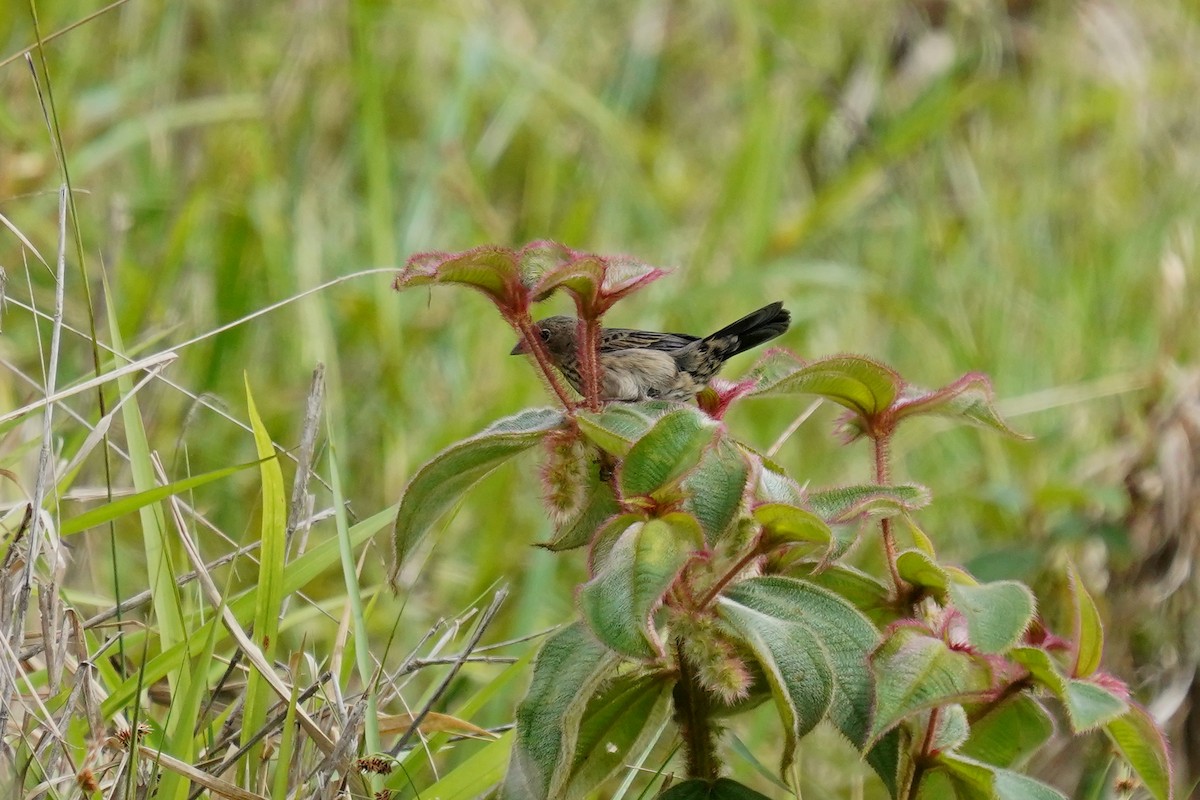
x,y
589,356
914,786
524,324
742,563
882,477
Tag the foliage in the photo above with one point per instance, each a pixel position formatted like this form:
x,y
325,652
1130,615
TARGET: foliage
x,y
704,579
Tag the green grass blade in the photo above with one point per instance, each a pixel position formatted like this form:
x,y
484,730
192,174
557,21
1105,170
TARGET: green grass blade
x,y
269,597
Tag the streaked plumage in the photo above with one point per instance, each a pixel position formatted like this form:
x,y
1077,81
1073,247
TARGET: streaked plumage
x,y
644,365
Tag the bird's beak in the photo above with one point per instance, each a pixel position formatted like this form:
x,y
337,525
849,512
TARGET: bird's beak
x,y
520,349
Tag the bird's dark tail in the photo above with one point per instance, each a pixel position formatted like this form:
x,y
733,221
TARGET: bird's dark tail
x,y
749,331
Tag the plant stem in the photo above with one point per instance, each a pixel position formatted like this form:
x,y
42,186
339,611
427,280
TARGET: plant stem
x,y
589,352
693,717
724,580
524,325
882,477
923,755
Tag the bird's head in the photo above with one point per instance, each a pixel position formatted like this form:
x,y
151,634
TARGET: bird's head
x,y
559,334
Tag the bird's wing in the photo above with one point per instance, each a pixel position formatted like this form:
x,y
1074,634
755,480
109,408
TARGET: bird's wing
x,y
614,339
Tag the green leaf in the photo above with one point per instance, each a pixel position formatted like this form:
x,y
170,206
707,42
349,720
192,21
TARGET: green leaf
x,y
863,591
271,557
997,613
813,647
617,723
772,367
671,447
475,775
619,601
714,490
795,664
919,569
121,506
937,785
1014,786
1042,669
969,399
1009,732
952,728
774,485
1090,705
606,537
915,672
1143,745
599,505
571,666
994,782
860,384
720,789
785,524
1089,633
616,428
440,482
849,503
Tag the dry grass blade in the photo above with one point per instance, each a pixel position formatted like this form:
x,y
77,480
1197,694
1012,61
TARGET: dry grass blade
x,y
24,241
155,363
251,649
198,776
484,621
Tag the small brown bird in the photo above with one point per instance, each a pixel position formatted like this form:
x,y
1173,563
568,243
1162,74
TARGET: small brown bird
x,y
645,365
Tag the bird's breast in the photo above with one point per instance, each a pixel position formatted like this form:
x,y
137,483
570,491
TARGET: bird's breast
x,y
632,375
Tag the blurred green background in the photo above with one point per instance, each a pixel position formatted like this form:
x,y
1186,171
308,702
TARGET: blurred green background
x,y
948,186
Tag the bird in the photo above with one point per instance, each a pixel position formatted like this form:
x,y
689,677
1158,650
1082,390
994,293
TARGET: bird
x,y
640,365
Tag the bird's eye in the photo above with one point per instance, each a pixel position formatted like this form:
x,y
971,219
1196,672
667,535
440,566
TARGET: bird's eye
x,y
545,334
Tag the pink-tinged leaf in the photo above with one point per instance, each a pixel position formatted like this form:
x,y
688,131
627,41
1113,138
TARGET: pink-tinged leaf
x,y
970,399
1090,705
997,613
915,672
1144,746
1088,630
716,398
850,503
596,282
492,270
541,257
619,602
860,384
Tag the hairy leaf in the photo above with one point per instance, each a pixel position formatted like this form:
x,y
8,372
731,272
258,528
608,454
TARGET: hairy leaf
x,y
440,482
618,602
570,668
997,613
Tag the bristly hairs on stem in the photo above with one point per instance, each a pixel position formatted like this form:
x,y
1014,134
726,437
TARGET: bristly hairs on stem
x,y
523,323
